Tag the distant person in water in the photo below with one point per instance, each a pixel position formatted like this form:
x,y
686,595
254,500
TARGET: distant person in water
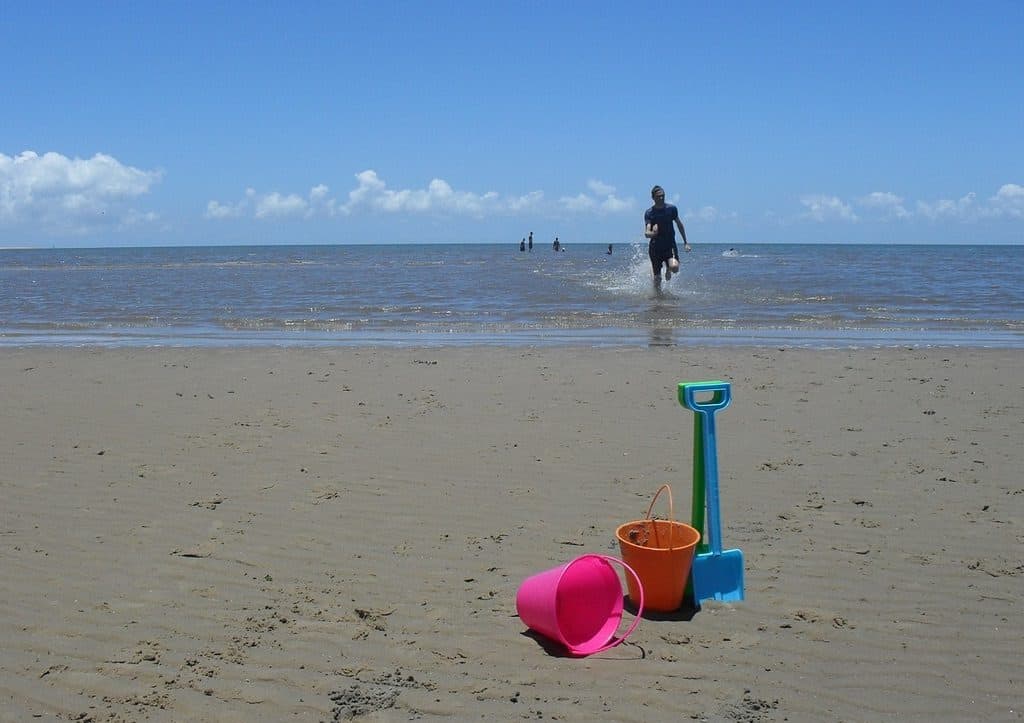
x,y
662,249
609,249
522,245
556,246
530,242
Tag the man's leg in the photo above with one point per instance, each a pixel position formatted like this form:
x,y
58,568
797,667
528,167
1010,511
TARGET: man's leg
x,y
655,265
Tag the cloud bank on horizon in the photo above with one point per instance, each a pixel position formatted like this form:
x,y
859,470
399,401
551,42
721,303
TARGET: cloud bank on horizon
x,y
56,194
372,196
50,195
1008,202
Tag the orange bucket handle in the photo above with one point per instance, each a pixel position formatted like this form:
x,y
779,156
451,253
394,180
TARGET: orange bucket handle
x,y
671,513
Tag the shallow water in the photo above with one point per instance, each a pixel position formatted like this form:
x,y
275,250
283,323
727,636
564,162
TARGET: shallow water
x,y
773,294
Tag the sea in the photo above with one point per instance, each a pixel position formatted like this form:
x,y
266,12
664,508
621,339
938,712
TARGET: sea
x,y
779,295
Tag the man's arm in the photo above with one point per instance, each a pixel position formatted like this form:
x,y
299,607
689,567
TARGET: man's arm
x,y
682,231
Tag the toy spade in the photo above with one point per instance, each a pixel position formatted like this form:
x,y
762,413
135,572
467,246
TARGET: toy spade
x,y
717,574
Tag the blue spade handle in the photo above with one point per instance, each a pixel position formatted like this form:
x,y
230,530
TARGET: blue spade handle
x,y
721,398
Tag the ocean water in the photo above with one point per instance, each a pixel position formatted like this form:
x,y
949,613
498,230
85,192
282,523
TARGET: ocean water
x,y
759,294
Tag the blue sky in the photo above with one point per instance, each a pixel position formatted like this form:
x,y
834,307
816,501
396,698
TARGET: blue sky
x,y
171,123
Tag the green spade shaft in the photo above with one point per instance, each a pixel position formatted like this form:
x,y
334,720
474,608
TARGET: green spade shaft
x,y
697,510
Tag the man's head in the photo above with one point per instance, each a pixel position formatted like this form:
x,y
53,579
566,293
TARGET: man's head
x,y
658,194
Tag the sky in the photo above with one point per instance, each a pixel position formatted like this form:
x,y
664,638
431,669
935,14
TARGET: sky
x,y
196,123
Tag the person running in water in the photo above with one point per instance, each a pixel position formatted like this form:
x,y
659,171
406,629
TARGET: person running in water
x,y
658,220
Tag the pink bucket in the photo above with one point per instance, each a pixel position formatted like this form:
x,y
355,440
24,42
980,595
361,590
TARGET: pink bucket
x,y
578,604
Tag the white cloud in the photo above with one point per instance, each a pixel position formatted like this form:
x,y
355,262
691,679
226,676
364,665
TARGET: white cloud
x,y
133,218
218,210
582,203
708,214
962,209
827,208
614,204
1008,201
602,199
578,204
529,202
276,204
372,193
368,188
57,193
888,204
320,200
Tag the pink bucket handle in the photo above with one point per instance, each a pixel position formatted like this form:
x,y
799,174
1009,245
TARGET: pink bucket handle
x,y
639,608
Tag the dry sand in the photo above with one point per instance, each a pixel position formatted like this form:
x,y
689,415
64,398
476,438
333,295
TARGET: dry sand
x,y
246,535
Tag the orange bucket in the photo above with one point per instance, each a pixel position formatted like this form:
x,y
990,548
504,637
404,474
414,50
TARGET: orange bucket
x,y
661,553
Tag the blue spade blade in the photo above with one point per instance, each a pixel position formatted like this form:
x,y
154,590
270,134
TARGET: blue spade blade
x,y
718,577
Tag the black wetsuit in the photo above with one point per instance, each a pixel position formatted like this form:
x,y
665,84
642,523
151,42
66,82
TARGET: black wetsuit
x,y
663,246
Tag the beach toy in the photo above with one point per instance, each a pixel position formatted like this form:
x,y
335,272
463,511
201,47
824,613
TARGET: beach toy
x,y
578,604
717,574
697,502
697,505
661,552
697,497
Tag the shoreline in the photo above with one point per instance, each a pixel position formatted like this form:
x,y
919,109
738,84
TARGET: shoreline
x,y
262,533
681,338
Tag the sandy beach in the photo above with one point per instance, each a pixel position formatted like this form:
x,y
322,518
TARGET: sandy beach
x,y
311,535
